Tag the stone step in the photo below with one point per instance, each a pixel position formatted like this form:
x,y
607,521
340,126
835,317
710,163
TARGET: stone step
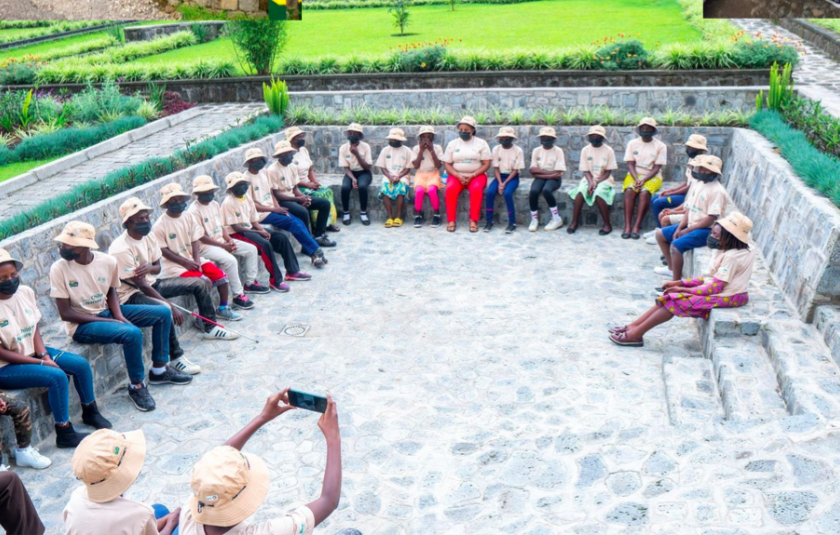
x,y
747,381
827,322
809,377
691,391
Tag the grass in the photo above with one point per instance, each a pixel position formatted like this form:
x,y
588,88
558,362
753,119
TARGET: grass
x,y
831,24
16,169
51,46
18,33
543,23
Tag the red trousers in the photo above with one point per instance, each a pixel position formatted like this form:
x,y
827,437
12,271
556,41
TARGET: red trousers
x,y
454,188
209,270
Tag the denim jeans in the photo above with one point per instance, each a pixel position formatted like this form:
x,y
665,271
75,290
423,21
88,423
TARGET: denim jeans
x,y
660,203
493,190
14,376
296,227
130,337
160,512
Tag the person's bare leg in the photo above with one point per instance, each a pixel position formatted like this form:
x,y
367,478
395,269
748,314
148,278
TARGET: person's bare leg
x,y
644,204
387,202
223,292
658,316
400,201
676,263
664,246
576,212
629,203
604,208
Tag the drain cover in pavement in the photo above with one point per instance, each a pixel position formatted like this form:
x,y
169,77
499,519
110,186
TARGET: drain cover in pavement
x,y
298,330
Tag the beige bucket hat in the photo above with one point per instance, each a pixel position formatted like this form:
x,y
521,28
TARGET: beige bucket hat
x,y
130,207
649,121
282,147
396,134
738,225
5,256
253,154
467,120
235,178
203,184
708,161
696,141
78,234
171,191
597,130
228,486
426,130
547,131
292,132
108,462
507,131
355,127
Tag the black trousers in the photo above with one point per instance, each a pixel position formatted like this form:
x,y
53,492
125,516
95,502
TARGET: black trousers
x,y
302,212
364,178
17,513
546,188
280,244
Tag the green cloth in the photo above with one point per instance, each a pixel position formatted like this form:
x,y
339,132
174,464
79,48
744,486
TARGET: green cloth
x,y
604,190
323,193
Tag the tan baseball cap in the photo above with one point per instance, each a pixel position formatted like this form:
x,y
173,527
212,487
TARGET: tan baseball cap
x,y
292,132
396,134
738,225
252,154
696,141
282,147
203,184
648,121
130,207
507,131
426,130
235,178
467,120
547,131
355,127
708,161
108,462
597,130
171,191
78,234
5,256
228,486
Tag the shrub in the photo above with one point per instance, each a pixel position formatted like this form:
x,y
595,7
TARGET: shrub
x,y
173,103
820,127
258,43
148,111
106,41
92,104
116,33
18,71
623,55
781,89
760,53
276,97
52,29
420,57
132,51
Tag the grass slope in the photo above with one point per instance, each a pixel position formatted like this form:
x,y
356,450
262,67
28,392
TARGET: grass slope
x,y
15,169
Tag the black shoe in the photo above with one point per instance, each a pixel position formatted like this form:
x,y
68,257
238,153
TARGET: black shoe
x,y
571,230
488,227
365,219
170,376
435,221
141,398
345,218
92,417
510,228
67,437
244,304
323,241
418,221
256,288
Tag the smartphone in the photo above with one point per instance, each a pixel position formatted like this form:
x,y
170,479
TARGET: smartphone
x,y
310,402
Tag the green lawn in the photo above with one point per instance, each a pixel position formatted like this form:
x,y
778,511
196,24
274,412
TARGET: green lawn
x,y
15,169
49,46
535,24
18,33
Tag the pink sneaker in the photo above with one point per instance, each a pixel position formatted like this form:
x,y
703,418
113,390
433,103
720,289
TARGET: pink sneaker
x,y
282,288
297,277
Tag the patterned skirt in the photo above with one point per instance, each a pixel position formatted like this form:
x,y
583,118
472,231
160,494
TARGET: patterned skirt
x,y
323,193
391,190
698,306
651,185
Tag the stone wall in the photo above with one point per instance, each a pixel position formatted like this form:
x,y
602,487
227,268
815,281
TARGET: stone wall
x,y
796,228
147,33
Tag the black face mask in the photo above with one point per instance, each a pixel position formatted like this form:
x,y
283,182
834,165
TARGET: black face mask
x,y
300,142
547,143
206,198
176,207
506,142
596,141
712,242
68,254
10,286
646,135
395,143
286,159
465,135
257,165
240,190
143,228
703,177
692,153
353,139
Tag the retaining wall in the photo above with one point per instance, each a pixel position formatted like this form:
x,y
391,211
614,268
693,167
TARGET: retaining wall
x,y
147,33
816,35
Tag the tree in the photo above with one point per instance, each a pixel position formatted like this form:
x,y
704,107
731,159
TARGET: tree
x,y
452,4
257,43
399,9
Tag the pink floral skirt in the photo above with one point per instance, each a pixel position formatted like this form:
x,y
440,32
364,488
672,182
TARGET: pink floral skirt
x,y
698,306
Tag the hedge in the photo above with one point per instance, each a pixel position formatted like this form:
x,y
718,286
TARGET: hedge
x,y
132,176
52,29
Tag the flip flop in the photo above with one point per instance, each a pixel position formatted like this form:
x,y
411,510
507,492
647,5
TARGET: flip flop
x,y
603,232
625,235
473,226
614,338
616,330
450,227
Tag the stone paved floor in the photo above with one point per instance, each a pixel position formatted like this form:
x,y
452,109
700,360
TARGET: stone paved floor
x,y
478,393
210,123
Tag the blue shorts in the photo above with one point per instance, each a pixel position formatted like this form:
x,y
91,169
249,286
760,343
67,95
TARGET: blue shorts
x,y
686,242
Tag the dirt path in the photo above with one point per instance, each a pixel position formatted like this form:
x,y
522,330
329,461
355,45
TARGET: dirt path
x,y
83,10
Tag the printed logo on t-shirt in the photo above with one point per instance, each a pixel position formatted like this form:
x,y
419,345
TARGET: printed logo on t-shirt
x,y
3,322
589,159
173,236
635,153
206,219
93,300
73,284
101,280
238,214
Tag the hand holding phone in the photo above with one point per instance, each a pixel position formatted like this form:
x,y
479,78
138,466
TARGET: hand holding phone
x,y
305,400
276,405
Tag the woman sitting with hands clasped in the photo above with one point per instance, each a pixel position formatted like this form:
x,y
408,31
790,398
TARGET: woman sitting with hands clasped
x,y
732,266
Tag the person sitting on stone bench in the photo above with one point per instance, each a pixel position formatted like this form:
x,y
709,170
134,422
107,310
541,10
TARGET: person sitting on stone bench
x,y
230,485
355,157
25,454
597,162
307,181
548,163
725,287
467,159
508,163
25,362
393,162
17,512
645,156
84,285
427,157
668,206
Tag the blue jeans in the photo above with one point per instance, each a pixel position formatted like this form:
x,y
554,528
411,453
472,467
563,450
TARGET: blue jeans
x,y
660,203
130,337
160,512
686,242
13,376
493,190
296,227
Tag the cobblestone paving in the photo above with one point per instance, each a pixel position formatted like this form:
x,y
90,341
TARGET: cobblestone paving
x,y
770,9
163,143
478,393
815,67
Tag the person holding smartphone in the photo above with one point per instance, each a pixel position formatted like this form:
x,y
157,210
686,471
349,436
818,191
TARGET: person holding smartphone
x,y
230,485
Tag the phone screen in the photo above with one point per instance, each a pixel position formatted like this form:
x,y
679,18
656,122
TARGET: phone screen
x,y
310,402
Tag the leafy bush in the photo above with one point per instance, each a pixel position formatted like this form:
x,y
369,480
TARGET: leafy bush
x,y
276,97
422,58
820,127
140,49
74,73
100,43
623,55
18,71
781,89
116,33
18,24
173,103
193,12
92,104
760,53
148,111
258,43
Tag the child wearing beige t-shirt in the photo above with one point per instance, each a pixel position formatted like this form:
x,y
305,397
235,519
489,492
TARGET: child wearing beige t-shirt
x,y
508,163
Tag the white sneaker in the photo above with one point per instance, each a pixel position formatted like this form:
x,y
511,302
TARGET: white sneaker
x,y
217,333
650,234
183,365
534,224
554,224
663,270
3,467
30,456
651,240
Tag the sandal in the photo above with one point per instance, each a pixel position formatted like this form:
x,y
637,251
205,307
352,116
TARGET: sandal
x,y
473,226
450,227
603,232
625,235
333,228
619,339
616,330
635,235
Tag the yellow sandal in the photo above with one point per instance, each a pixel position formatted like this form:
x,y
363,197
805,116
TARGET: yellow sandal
x,y
389,223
